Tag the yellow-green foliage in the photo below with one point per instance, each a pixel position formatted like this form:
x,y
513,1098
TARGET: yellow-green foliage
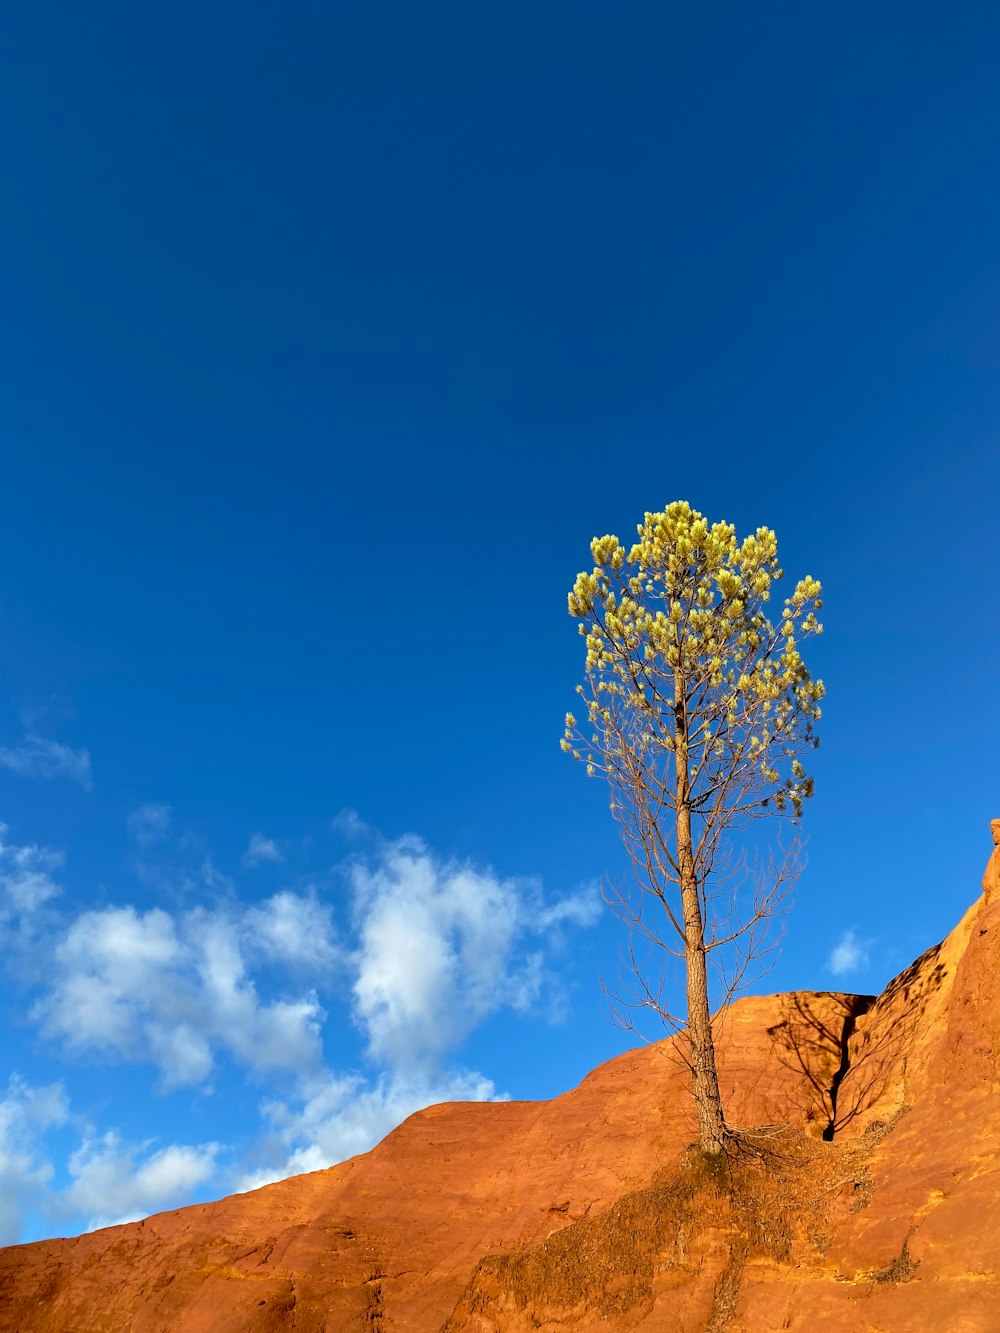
x,y
681,657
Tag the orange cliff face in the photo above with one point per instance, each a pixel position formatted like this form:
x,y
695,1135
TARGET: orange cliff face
x,y
395,1233
927,1053
391,1240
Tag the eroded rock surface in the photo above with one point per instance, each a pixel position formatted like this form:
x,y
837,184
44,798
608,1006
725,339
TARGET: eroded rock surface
x,y
893,1107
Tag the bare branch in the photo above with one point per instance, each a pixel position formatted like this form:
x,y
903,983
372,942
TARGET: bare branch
x,y
698,714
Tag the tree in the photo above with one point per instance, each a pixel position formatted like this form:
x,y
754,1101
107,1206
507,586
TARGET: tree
x,y
699,712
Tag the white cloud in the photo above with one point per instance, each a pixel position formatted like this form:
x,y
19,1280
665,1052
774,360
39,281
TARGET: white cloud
x,y
261,849
849,955
37,757
25,1173
182,1052
113,1183
284,1034
435,948
294,929
351,827
149,824
111,966
581,909
110,1181
339,1115
438,949
26,884
148,986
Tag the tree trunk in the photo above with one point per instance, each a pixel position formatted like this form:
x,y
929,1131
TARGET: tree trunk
x,y
711,1121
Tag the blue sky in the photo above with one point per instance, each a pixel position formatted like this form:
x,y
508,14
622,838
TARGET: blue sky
x,y
331,335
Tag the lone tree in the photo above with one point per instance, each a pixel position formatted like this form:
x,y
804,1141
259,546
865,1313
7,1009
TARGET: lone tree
x,y
699,713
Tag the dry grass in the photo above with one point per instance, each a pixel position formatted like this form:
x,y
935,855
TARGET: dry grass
x,y
774,1194
604,1263
901,1269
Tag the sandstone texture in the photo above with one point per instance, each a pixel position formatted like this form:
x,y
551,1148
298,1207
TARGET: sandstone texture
x,y
867,1196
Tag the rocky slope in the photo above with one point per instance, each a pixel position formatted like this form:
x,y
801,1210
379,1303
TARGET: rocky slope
x,y
875,1207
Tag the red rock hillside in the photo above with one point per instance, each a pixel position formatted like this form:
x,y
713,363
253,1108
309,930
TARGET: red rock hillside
x,y
866,1195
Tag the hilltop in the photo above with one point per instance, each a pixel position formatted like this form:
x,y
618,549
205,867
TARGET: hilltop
x,y
867,1195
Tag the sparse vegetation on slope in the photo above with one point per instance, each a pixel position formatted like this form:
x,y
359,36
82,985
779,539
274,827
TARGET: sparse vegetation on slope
x,y
773,1196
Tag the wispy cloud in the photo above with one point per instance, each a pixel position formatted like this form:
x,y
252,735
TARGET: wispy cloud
x,y
352,828
150,824
110,1180
261,849
38,757
294,929
26,1113
27,888
849,955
